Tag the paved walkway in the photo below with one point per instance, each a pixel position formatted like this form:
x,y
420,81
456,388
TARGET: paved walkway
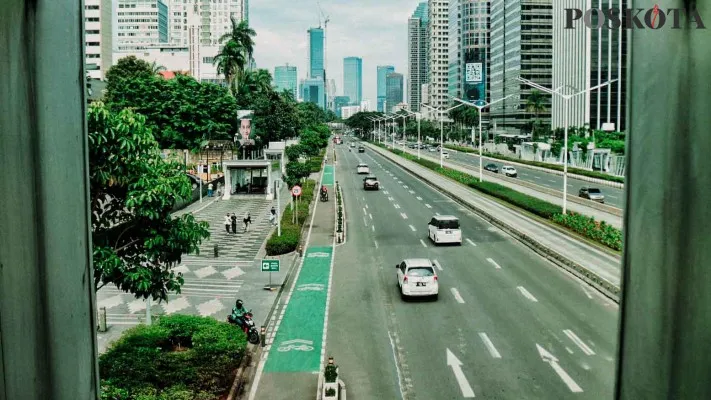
x,y
294,354
211,284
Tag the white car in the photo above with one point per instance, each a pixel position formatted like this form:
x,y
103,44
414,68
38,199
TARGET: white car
x,y
444,229
417,277
509,171
445,154
433,149
363,169
352,144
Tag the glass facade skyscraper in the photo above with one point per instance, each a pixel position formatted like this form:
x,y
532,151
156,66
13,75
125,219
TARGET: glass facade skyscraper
x,y
316,42
285,79
394,90
383,71
417,54
353,79
313,91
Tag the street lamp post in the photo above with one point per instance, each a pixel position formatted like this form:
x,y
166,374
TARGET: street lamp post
x,y
482,105
565,98
441,129
417,116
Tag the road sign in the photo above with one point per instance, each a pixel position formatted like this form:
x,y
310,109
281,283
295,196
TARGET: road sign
x,y
270,265
296,190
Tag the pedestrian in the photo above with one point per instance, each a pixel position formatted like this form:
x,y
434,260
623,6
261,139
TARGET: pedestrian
x,y
209,190
247,220
233,219
273,216
228,222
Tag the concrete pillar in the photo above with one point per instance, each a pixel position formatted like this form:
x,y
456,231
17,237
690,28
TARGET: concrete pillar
x,y
47,315
666,294
228,183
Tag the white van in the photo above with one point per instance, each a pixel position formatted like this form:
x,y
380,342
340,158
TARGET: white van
x,y
444,229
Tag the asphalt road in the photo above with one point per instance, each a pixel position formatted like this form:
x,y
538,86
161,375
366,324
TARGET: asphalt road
x,y
613,196
500,306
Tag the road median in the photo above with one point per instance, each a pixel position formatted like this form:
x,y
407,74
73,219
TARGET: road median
x,y
594,279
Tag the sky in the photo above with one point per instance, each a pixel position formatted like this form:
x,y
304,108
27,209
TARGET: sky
x,y
375,30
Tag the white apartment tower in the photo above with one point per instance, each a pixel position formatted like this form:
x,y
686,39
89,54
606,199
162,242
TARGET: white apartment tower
x,y
438,53
141,24
97,37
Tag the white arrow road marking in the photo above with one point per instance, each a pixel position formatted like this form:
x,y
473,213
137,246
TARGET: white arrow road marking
x,y
403,215
423,243
553,362
413,228
391,198
453,361
397,205
428,206
457,296
490,346
526,294
419,198
491,260
470,242
385,192
584,347
436,263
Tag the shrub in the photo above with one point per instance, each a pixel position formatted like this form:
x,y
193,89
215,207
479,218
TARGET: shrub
x,y
290,232
331,373
330,392
180,357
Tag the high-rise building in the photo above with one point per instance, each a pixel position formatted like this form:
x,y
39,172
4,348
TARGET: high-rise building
x,y
98,37
285,79
316,62
438,53
313,91
585,58
383,71
521,45
394,90
417,54
339,102
140,24
331,93
353,79
468,49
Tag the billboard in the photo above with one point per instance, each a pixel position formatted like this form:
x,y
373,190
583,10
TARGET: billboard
x,y
474,75
245,136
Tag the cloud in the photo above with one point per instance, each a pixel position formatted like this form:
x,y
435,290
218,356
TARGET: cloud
x,y
375,30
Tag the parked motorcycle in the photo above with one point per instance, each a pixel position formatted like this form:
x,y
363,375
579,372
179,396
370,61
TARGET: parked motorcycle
x,y
248,327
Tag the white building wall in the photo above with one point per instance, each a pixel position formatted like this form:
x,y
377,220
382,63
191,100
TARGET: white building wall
x,y
98,36
438,52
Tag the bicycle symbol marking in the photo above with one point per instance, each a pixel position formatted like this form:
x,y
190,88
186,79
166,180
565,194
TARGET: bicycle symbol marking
x,y
296,344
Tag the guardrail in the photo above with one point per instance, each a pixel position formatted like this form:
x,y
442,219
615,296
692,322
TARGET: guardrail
x,y
602,285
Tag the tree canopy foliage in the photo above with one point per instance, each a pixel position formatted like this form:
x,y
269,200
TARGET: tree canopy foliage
x,y
136,241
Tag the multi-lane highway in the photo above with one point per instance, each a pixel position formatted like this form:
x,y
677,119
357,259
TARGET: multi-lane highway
x,y
613,196
507,324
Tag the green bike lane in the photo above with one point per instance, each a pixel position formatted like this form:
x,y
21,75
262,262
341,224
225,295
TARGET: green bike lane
x,y
291,362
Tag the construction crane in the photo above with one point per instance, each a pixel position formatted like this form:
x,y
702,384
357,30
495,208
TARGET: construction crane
x,y
326,20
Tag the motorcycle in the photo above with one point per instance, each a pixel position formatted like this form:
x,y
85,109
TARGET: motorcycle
x,y
324,196
248,327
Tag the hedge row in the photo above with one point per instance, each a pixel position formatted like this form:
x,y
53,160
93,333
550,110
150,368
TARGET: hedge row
x,y
572,170
291,232
586,226
181,357
316,162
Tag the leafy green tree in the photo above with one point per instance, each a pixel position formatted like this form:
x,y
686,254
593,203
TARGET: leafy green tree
x,y
310,114
256,82
535,103
136,242
128,68
361,122
295,171
181,112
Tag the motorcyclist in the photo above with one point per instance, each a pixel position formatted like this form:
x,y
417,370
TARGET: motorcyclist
x,y
324,191
238,312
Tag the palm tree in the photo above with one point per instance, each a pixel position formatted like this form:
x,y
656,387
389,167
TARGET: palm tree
x,y
156,68
534,104
242,34
231,61
259,81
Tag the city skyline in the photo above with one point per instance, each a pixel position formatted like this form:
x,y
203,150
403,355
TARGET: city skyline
x,y
353,79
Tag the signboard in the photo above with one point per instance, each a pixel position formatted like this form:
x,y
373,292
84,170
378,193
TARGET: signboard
x,y
270,265
296,191
475,75
246,131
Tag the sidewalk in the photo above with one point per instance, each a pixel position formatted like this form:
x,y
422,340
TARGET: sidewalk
x,y
211,284
597,261
293,356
